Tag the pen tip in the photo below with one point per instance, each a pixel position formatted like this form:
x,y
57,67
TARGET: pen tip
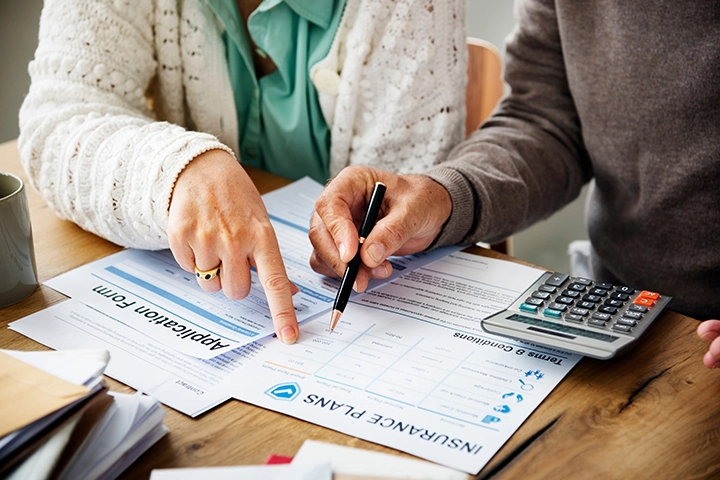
x,y
335,319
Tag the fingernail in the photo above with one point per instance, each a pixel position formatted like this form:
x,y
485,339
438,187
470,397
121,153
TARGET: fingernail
x,y
716,365
707,336
343,250
376,252
288,335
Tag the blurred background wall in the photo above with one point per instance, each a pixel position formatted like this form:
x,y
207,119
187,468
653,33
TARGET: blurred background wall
x,y
544,244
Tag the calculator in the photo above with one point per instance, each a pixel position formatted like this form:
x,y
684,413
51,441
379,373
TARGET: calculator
x,y
579,315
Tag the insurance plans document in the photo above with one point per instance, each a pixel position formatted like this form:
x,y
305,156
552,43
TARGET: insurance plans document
x,y
410,367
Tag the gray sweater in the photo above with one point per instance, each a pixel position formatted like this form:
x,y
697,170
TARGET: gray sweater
x,y
628,94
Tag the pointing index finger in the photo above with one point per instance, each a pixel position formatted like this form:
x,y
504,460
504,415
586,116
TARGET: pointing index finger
x,y
278,290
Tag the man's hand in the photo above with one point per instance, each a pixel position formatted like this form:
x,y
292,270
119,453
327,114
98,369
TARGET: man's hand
x,y
709,330
414,210
218,218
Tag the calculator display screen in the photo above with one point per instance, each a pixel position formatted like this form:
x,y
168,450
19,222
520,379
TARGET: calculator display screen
x,y
565,329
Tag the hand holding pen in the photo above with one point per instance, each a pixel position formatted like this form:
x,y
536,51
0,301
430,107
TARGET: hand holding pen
x,y
348,280
415,208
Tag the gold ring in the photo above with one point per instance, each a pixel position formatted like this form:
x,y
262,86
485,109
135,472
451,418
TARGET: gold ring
x,y
207,274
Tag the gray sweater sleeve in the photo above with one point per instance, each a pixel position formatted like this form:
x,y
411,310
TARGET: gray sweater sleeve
x,y
528,159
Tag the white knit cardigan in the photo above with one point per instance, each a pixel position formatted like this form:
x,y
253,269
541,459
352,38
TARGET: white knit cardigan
x,y
104,158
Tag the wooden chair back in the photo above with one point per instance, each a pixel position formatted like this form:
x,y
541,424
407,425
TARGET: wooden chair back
x,y
484,90
485,84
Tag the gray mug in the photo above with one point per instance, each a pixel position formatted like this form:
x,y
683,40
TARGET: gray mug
x,y
18,274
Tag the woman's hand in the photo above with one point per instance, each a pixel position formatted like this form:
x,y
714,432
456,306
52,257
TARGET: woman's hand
x,y
415,208
218,219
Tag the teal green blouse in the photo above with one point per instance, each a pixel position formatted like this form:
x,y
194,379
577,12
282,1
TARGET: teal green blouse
x,y
280,125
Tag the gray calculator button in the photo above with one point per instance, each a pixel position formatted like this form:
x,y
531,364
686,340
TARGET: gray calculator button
x,y
638,308
557,306
578,287
588,305
614,303
571,317
591,298
547,288
543,295
533,301
619,296
596,322
570,293
624,289
565,300
582,281
608,309
600,292
633,315
626,321
556,279
621,328
604,285
601,316
579,311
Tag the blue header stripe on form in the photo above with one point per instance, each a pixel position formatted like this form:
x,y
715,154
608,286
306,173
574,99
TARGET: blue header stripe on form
x,y
183,303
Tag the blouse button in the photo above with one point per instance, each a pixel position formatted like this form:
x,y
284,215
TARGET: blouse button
x,y
326,81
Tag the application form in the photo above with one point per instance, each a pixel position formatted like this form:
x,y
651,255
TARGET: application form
x,y
410,367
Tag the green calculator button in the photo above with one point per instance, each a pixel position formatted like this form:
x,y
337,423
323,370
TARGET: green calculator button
x,y
528,308
549,312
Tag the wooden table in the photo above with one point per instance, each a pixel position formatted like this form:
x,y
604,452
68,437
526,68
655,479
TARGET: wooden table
x,y
654,413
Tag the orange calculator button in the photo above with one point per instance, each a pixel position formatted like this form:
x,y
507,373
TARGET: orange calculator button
x,y
644,301
650,295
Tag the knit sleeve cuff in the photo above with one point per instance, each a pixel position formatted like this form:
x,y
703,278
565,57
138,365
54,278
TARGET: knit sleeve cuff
x,y
464,211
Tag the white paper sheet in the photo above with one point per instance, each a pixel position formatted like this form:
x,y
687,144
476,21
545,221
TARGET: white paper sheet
x,y
410,367
320,471
150,293
368,463
74,366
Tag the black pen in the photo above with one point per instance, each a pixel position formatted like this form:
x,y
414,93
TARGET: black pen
x,y
351,271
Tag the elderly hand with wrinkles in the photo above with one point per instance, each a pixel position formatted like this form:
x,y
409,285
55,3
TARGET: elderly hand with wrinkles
x,y
219,222
415,208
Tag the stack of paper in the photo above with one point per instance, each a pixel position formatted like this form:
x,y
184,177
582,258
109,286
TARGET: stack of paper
x,y
58,421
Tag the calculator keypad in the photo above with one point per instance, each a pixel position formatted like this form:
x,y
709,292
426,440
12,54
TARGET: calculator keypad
x,y
599,305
